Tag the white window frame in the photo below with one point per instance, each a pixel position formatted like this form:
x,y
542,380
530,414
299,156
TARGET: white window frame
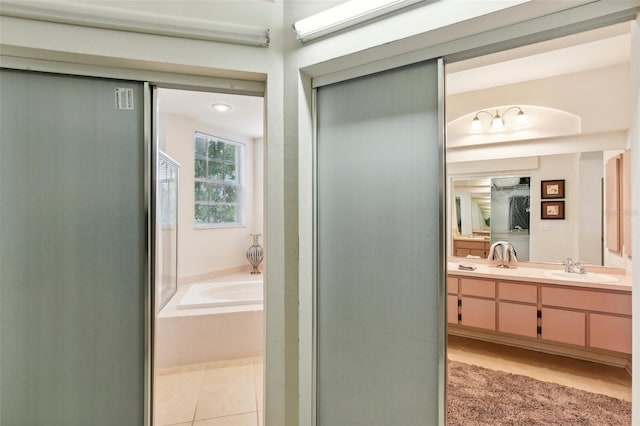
x,y
238,183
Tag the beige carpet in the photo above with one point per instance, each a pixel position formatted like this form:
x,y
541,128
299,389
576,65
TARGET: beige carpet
x,y
478,396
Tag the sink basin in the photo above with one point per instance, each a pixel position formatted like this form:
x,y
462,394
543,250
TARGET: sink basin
x,y
587,277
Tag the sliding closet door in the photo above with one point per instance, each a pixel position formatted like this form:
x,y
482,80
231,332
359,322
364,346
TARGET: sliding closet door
x,y
72,251
380,344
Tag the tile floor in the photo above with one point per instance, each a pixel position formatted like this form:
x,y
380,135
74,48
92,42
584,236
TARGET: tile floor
x,y
231,393
212,394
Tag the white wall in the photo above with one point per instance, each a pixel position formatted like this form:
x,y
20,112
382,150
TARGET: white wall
x,y
555,240
204,251
600,97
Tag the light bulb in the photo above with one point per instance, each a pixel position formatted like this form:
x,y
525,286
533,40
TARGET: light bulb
x,y
221,107
476,126
521,119
497,123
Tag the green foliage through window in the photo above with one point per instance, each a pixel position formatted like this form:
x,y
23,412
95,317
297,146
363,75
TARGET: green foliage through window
x,y
217,187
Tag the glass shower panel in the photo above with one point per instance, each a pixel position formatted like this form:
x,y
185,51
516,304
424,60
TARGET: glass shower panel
x,y
380,344
72,251
166,229
510,213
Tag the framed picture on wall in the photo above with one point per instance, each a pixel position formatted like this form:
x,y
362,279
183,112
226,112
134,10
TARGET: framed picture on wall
x,y
552,189
552,210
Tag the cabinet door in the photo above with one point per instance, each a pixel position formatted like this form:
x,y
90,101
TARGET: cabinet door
x,y
452,309
610,332
462,252
563,326
519,319
479,313
452,285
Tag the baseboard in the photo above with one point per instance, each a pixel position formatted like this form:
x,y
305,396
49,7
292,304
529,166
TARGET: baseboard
x,y
587,354
213,274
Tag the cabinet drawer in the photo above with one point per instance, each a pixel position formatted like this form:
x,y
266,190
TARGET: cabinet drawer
x,y
609,332
452,309
479,313
519,319
518,292
474,287
563,326
452,285
587,300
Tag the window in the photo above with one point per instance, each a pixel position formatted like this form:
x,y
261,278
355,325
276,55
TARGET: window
x,y
217,182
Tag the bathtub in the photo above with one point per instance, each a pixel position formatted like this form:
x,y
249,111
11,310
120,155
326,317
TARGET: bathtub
x,y
212,295
211,321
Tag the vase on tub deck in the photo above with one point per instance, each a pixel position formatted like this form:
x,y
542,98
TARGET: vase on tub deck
x,y
255,253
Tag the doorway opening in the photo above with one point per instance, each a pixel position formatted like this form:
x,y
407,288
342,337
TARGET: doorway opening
x,y
557,113
209,333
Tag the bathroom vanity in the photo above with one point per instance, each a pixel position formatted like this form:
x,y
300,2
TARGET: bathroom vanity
x,y
543,308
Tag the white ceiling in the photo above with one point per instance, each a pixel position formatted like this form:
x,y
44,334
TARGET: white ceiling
x,y
580,52
245,117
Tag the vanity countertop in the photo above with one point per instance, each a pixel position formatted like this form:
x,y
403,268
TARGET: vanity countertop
x,y
539,273
478,238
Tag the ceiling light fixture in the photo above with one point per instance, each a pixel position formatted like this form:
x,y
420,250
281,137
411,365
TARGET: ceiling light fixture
x,y
497,122
221,107
346,15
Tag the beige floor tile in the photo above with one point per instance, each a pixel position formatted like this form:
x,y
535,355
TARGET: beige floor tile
x,y
232,374
176,395
248,419
226,398
182,381
175,407
259,380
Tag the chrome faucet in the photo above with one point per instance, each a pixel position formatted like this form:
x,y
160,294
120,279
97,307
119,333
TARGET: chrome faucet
x,y
579,268
574,267
504,253
568,265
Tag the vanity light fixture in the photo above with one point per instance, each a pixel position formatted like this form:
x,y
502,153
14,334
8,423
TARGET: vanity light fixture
x,y
346,15
221,107
497,123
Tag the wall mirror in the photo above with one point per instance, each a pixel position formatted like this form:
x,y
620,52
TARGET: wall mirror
x,y
488,210
494,205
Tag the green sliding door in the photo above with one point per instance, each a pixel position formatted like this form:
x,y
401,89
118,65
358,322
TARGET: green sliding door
x,y
72,251
380,316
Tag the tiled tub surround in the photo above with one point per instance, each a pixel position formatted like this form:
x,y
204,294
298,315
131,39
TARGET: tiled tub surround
x,y
527,306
